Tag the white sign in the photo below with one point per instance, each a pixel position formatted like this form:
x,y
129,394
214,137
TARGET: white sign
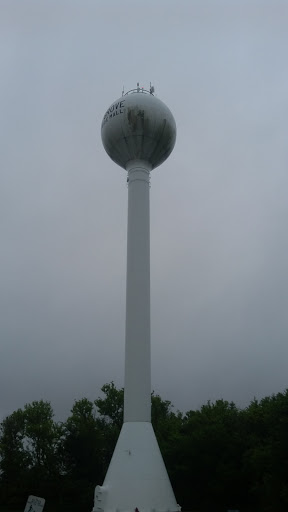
x,y
34,504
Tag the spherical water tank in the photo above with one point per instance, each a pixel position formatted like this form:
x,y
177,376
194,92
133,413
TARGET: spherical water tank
x,y
138,126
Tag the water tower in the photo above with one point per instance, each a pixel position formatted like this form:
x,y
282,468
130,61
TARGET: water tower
x,y
138,133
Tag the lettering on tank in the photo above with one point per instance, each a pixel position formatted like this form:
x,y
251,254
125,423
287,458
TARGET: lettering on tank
x,y
115,110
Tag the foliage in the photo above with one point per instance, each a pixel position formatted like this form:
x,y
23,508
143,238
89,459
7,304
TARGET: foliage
x,y
218,457
111,407
29,452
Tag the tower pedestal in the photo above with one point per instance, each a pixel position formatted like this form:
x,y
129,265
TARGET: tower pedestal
x,y
137,477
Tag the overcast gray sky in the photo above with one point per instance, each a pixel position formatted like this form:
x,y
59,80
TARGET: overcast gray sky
x,y
219,242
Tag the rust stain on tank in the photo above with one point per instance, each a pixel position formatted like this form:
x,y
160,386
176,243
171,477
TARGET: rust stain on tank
x,y
135,118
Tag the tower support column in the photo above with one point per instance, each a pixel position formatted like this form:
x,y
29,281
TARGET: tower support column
x,y
137,390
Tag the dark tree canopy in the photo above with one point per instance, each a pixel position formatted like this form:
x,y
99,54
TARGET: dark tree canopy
x,y
219,457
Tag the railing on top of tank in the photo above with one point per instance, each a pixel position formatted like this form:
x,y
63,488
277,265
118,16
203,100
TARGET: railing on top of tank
x,y
140,89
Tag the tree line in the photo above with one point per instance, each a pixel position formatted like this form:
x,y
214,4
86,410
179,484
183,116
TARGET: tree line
x,y
218,458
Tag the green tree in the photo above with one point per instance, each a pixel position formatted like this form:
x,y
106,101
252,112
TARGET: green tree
x,y
14,460
265,458
83,454
42,437
111,407
29,452
83,442
207,458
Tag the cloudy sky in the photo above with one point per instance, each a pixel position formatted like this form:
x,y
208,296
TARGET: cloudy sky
x,y
219,242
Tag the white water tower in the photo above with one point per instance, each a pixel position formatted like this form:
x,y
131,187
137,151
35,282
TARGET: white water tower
x,y
138,133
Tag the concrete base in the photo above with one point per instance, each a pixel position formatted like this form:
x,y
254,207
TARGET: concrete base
x,y
136,477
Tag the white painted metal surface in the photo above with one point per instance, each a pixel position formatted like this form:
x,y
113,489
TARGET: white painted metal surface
x,y
137,477
138,126
34,504
138,133
137,389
